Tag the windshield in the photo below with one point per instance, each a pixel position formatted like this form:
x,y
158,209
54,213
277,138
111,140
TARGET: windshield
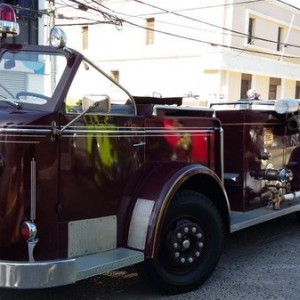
x,y
96,86
29,78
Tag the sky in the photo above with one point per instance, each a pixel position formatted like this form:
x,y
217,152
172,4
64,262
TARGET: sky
x,y
294,2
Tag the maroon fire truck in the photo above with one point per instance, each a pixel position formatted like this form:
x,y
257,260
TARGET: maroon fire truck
x,y
93,179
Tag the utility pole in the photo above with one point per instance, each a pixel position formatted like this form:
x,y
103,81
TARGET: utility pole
x,y
51,12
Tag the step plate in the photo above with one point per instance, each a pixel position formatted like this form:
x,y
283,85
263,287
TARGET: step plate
x,y
96,264
241,220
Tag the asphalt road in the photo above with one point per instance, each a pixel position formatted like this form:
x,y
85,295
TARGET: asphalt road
x,y
262,262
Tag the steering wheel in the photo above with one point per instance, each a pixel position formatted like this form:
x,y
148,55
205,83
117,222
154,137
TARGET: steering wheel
x,y
7,91
35,95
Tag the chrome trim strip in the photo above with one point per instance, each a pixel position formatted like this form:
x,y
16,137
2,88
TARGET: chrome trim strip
x,y
33,191
249,124
19,142
25,130
94,135
221,156
125,130
22,135
27,275
146,131
117,132
130,133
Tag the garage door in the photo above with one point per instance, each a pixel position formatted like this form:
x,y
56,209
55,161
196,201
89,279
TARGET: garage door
x,y
13,81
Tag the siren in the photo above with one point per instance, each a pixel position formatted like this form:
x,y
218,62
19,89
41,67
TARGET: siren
x,y
8,23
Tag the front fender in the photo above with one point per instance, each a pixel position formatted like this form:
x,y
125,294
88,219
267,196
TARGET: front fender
x,y
154,198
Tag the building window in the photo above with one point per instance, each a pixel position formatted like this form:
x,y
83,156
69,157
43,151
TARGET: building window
x,y
149,31
273,88
279,39
245,85
85,37
250,30
297,91
115,74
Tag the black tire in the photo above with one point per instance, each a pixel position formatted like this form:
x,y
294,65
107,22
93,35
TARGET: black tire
x,y
297,215
190,244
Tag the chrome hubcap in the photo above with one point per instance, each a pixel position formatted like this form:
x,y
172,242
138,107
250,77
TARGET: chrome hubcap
x,y
186,244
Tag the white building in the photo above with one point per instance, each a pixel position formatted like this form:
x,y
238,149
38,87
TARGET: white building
x,y
216,49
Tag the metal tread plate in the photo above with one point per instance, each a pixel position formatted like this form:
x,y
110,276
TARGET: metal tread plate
x,y
241,220
99,263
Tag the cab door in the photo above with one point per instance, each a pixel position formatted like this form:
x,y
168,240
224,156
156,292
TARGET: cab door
x,y
101,152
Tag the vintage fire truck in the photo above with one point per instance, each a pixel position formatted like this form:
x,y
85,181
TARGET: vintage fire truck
x,y
93,179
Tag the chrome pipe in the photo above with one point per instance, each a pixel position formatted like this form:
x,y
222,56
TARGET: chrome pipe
x,y
33,191
292,196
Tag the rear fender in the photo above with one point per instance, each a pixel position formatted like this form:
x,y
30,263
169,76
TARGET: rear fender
x,y
156,194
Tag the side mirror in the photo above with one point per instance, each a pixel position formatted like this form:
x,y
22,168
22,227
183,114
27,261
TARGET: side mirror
x,y
96,103
91,103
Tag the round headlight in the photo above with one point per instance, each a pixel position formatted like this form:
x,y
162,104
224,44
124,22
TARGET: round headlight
x,y
58,38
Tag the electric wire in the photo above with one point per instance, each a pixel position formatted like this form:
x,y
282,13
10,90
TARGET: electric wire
x,y
225,31
123,21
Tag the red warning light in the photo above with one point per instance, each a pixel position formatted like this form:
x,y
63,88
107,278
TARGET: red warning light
x,y
8,24
7,13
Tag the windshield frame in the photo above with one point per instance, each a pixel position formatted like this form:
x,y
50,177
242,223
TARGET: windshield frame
x,y
54,100
73,61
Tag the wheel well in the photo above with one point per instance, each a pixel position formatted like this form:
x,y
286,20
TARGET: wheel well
x,y
209,187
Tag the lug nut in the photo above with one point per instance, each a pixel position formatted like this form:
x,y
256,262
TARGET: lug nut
x,y
186,244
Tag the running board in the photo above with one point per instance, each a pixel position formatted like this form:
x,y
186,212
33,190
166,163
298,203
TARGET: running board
x,y
99,263
241,220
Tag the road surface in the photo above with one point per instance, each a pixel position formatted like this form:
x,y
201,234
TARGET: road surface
x,y
261,262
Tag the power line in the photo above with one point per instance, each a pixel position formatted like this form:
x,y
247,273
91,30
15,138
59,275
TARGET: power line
x,y
289,4
107,16
194,19
122,21
223,5
214,44
201,7
237,33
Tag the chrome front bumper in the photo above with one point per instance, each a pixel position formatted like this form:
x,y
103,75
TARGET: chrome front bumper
x,y
45,274
30,275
